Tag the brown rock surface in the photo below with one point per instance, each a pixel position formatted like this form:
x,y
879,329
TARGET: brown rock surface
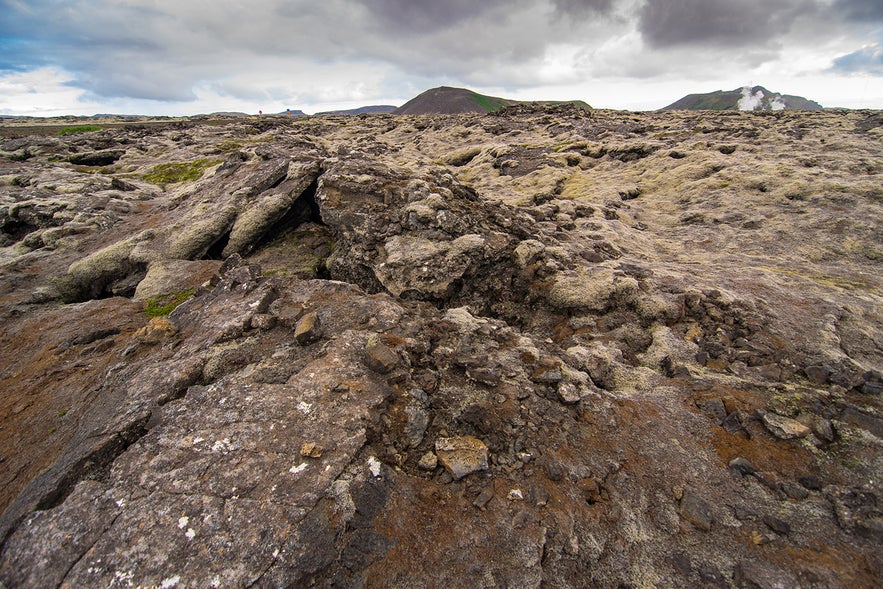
x,y
659,333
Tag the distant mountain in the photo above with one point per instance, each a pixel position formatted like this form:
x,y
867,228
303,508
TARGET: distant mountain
x,y
375,109
746,98
447,100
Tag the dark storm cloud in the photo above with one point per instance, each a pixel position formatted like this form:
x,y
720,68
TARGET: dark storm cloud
x,y
582,8
718,23
860,10
426,16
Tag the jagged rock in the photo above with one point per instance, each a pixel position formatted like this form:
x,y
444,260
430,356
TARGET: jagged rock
x,y
783,428
696,511
380,357
462,455
428,461
777,525
742,466
308,329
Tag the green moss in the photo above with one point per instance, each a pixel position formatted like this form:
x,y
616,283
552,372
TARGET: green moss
x,y
163,305
163,174
229,146
77,129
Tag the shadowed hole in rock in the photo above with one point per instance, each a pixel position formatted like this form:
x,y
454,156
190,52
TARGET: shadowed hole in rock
x,y
304,210
17,230
216,250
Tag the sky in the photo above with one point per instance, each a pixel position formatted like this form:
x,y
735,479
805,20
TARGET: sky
x,y
184,57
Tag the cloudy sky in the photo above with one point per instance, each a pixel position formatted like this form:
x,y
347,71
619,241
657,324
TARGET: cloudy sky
x,y
198,56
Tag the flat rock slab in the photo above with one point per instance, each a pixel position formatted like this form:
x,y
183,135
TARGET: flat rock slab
x,y
462,455
784,428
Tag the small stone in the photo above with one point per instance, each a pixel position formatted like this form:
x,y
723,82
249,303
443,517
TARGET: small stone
x,y
462,455
818,373
515,495
794,492
823,429
713,408
308,329
311,450
769,372
375,467
778,526
483,498
263,321
122,185
418,420
784,428
742,466
696,511
733,422
379,357
156,330
811,482
547,372
489,375
743,513
568,393
428,461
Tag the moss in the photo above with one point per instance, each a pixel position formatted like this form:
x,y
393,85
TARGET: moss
x,y
77,129
228,146
163,305
163,174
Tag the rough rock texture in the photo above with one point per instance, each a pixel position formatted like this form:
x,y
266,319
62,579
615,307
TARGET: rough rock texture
x,y
544,347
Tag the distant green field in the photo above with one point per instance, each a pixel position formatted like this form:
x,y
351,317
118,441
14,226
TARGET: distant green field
x,y
77,129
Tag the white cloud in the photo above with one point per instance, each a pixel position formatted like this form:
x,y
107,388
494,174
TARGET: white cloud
x,y
186,57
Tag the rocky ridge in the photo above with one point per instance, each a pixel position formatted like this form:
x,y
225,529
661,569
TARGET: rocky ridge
x,y
543,346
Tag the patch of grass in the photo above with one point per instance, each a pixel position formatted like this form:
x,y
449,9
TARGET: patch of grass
x,y
77,129
163,305
489,103
163,174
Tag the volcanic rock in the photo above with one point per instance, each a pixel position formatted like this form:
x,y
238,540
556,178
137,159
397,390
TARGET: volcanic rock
x,y
381,341
462,455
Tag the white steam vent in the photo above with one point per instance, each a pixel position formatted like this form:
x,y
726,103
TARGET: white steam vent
x,y
750,100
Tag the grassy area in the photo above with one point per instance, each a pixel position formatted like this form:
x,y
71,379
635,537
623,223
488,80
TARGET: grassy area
x,y
165,304
77,129
489,103
163,174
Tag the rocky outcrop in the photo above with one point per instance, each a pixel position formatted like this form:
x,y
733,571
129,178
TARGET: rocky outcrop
x,y
598,351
